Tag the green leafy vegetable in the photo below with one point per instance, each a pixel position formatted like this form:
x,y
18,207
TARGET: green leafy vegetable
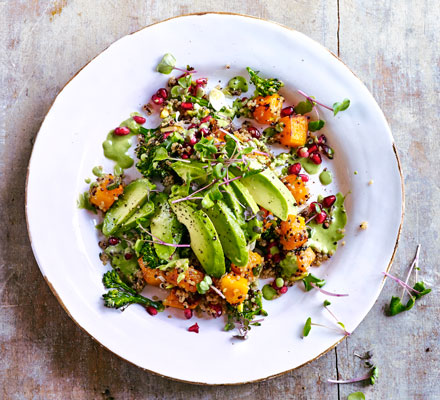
x,y
205,147
122,295
307,327
316,125
337,107
312,279
264,87
167,64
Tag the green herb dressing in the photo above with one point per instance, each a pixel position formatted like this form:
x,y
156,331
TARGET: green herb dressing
x,y
115,147
326,240
326,177
310,166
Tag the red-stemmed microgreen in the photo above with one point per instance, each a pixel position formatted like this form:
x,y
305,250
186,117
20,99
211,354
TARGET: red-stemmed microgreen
x,y
337,107
326,304
371,376
415,292
326,292
218,291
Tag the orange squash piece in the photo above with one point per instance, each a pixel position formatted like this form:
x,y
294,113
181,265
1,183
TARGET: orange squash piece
x,y
298,188
268,109
255,260
294,133
103,198
153,276
234,287
172,300
305,259
293,232
189,282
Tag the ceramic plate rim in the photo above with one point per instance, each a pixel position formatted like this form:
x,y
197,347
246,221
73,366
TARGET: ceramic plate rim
x,y
58,297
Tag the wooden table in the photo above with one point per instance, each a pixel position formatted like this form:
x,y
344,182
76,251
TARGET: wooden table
x,y
393,47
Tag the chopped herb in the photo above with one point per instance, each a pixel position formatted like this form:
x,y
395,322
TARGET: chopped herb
x,y
84,202
312,279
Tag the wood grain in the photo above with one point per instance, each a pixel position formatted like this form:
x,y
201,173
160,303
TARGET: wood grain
x,y
392,47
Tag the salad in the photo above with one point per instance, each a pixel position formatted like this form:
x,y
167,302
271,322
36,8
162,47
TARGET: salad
x,y
222,200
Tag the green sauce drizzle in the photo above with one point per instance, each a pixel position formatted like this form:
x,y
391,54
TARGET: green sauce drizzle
x,y
326,240
310,166
326,177
115,147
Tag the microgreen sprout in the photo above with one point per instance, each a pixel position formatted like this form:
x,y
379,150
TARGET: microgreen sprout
x,y
372,375
337,107
326,292
356,396
415,292
326,304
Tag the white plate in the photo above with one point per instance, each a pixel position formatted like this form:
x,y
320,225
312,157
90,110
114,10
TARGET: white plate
x,y
122,79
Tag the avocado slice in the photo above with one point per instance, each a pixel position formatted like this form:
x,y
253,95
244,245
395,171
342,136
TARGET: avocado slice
x,y
190,171
134,196
269,192
252,227
230,233
232,201
145,211
205,241
166,227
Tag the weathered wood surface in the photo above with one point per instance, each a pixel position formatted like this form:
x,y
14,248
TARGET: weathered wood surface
x,y
393,47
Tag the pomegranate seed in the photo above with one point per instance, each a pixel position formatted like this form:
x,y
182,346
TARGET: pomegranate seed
x,y
303,152
315,207
276,258
328,151
322,139
283,290
194,328
255,133
286,112
139,120
217,309
270,245
192,141
187,106
204,131
202,81
188,313
166,134
316,158
192,126
295,169
205,119
185,156
304,177
157,99
128,256
328,201
269,256
121,131
113,241
320,218
162,92
151,310
313,148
